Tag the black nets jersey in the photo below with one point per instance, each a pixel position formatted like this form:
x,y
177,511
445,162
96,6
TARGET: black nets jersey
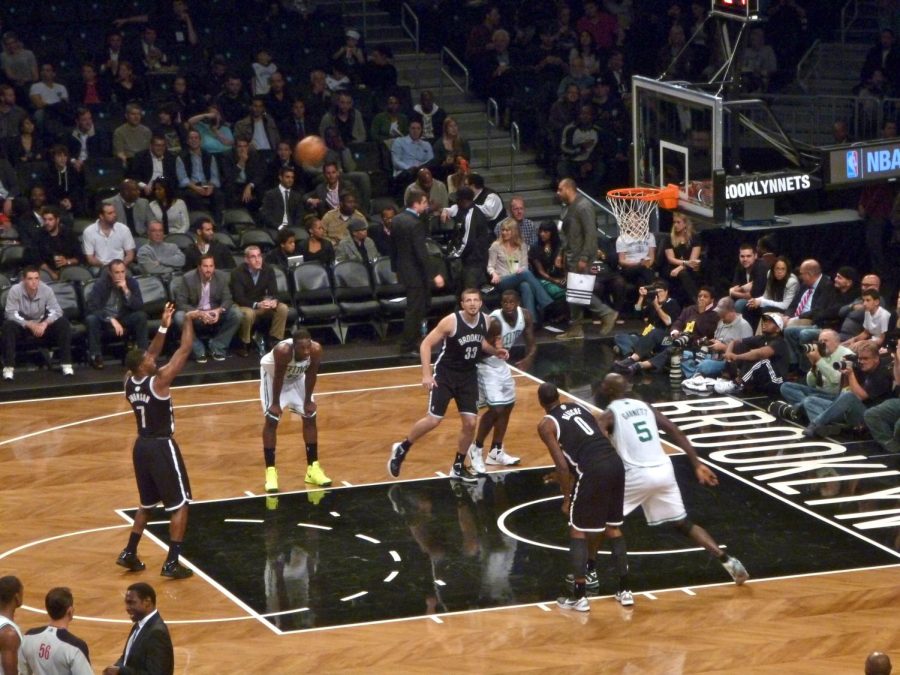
x,y
461,350
579,435
154,415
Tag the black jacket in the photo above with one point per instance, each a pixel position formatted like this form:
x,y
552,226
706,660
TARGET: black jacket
x,y
103,287
409,257
141,168
245,293
822,298
271,213
152,652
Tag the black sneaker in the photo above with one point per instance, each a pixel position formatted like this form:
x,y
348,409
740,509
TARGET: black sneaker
x,y
175,570
396,460
130,561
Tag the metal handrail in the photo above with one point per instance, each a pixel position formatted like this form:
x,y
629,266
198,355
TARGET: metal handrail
x,y
493,121
808,56
847,22
407,11
515,144
607,215
444,71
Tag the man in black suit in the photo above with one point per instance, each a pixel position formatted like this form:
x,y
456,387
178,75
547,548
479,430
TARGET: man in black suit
x,y
295,127
206,291
409,259
151,164
808,308
282,206
86,141
327,194
149,646
255,292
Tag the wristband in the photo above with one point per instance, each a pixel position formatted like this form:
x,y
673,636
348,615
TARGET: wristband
x,y
162,330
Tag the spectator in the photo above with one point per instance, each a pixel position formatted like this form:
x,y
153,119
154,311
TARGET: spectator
x,y
297,125
749,281
757,363
431,117
86,141
128,88
379,74
339,153
206,244
472,238
183,100
757,64
152,164
110,56
883,420
65,186
637,258
682,262
460,173
32,310
696,324
216,137
808,307
409,153
232,103
658,311
287,244
170,128
347,119
257,127
380,233
52,648
390,123
357,245
318,248
19,64
781,288
49,98
149,647
884,56
602,26
326,195
11,115
255,292
876,322
132,137
282,206
507,269
107,239
131,208
527,228
159,256
579,146
199,174
823,380
486,199
263,70
149,56
318,98
335,221
479,40
29,223
706,362
168,209
114,304
280,100
245,176
206,289
544,257
448,148
28,146
578,77
57,246
435,190
587,50
496,73
91,91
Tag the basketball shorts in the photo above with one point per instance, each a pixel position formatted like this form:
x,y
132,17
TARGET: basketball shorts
x,y
597,496
160,473
656,490
453,385
495,385
293,394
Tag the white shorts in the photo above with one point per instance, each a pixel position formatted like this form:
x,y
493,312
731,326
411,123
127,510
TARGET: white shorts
x,y
293,393
656,490
495,386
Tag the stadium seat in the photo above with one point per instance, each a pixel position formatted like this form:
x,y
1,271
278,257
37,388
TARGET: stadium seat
x,y
314,299
389,292
355,297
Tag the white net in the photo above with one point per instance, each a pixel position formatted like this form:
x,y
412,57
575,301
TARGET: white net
x,y
632,212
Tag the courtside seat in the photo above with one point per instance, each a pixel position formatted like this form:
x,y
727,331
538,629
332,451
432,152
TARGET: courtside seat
x,y
314,299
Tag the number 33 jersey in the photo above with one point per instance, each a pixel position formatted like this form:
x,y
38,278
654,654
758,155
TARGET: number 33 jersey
x,y
154,414
461,349
635,433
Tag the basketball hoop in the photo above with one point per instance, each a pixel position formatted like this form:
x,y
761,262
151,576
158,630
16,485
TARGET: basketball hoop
x,y
633,206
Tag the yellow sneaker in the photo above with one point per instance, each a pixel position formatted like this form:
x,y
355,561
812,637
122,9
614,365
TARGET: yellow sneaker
x,y
316,496
271,479
272,503
315,475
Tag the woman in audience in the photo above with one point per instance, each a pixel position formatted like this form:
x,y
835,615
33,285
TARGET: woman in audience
x,y
27,146
508,269
171,211
543,256
128,88
587,50
458,178
447,148
317,248
215,134
781,287
682,264
184,101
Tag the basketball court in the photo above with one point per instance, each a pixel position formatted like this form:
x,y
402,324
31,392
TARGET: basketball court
x,y
422,575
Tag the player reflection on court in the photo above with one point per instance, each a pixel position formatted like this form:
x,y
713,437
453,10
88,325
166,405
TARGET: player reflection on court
x,y
464,567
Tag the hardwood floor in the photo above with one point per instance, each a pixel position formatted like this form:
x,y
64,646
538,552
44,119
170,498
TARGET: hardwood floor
x,y
66,467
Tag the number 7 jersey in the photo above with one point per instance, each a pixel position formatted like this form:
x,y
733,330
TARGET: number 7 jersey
x,y
635,433
154,415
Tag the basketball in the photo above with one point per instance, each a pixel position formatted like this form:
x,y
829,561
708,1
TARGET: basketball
x,y
310,151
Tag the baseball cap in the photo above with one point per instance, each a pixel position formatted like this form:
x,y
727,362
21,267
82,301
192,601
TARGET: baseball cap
x,y
776,319
351,33
356,224
726,304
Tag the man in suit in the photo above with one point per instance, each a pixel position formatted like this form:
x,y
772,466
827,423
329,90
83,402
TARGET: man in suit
x,y
808,308
115,301
151,164
296,126
86,141
255,292
282,206
356,245
206,244
257,127
206,289
131,209
409,260
149,646
326,195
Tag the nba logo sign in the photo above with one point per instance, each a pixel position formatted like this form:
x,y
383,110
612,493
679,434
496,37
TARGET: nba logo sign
x,y
853,164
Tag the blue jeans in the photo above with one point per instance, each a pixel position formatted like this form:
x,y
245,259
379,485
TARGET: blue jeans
x,y
690,366
534,295
883,422
222,332
643,345
846,410
626,342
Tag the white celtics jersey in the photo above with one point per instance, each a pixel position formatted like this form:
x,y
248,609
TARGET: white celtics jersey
x,y
295,369
635,433
509,335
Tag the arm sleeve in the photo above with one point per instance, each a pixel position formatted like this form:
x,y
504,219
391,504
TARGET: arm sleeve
x,y
12,305
492,207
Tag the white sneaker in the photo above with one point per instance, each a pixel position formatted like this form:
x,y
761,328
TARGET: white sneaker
x,y
8,373
476,461
625,598
723,386
67,369
697,383
575,604
498,457
737,571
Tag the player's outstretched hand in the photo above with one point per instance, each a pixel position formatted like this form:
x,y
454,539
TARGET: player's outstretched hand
x,y
167,314
705,475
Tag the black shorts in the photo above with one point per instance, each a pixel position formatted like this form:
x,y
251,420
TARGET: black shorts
x,y
598,495
160,473
458,385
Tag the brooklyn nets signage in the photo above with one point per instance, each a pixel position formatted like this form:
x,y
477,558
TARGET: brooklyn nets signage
x,y
766,185
822,478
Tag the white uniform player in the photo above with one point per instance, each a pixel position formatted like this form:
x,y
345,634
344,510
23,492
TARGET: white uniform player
x,y
293,392
495,381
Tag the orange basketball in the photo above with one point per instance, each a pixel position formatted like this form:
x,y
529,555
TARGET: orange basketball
x,y
310,151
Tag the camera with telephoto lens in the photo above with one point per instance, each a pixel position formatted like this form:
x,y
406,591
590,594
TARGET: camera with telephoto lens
x,y
810,348
652,288
847,362
681,341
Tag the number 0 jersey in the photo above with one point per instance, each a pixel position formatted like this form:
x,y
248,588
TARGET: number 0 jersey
x,y
635,433
154,414
579,435
462,348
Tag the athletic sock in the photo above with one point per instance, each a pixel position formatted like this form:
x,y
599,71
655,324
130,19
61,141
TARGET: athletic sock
x,y
479,445
496,446
312,453
578,555
405,446
133,540
174,551
269,454
460,459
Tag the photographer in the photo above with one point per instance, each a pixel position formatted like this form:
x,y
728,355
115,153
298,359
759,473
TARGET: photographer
x,y
822,381
867,383
757,363
883,420
708,361
695,323
658,311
